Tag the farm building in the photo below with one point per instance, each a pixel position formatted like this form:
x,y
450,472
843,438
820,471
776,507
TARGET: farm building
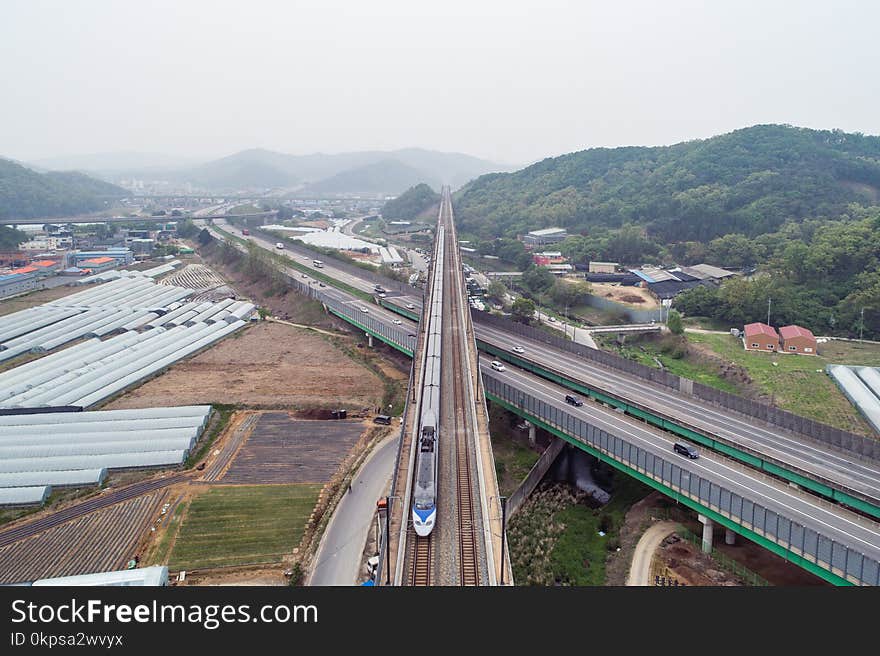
x,y
760,337
797,340
603,267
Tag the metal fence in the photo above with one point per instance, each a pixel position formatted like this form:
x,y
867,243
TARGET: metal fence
x,y
813,546
842,440
726,562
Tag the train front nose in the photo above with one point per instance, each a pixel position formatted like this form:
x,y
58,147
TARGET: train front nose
x,y
423,521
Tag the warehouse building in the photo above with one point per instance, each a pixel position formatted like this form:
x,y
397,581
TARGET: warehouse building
x,y
603,267
760,337
543,237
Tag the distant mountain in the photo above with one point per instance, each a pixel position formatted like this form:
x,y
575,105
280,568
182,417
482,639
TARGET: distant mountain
x,y
749,181
386,177
323,173
114,163
26,194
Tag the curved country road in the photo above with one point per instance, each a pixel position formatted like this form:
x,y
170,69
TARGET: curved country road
x,y
640,570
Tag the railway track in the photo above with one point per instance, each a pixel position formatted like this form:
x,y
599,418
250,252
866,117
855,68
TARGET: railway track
x,y
421,557
469,568
72,512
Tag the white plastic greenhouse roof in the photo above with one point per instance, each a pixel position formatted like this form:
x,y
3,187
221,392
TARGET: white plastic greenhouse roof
x,y
60,478
23,496
858,393
110,461
146,576
105,415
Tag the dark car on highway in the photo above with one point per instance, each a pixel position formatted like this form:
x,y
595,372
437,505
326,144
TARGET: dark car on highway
x,y
573,400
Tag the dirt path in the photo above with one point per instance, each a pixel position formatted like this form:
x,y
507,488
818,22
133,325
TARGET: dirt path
x,y
640,571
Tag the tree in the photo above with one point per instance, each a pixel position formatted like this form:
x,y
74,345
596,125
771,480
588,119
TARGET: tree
x,y
674,323
523,310
538,280
497,291
205,237
569,293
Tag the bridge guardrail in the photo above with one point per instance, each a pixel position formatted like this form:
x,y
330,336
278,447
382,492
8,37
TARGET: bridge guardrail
x,y
859,445
813,551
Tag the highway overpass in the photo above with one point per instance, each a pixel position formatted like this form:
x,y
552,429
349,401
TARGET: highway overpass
x,y
827,548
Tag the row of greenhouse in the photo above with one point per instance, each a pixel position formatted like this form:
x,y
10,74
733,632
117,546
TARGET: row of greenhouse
x,y
861,385
39,452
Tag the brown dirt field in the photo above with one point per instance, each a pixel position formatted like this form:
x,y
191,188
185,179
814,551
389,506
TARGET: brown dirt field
x,y
268,365
627,295
251,576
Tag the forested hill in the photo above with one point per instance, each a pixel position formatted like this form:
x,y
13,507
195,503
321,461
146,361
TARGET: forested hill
x,y
411,203
749,181
25,194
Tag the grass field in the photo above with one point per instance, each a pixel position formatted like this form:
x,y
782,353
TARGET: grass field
x,y
555,539
241,525
798,383
644,351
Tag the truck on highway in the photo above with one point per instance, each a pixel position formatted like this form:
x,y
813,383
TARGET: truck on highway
x,y
318,264
279,245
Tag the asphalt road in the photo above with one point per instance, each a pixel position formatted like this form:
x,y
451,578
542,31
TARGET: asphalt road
x,y
834,522
834,466
338,560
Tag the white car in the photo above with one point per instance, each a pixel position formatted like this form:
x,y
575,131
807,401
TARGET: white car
x,y
498,366
518,349
551,319
410,306
396,322
363,309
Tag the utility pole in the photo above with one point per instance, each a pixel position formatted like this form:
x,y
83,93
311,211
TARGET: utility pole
x,y
503,532
387,541
769,300
862,324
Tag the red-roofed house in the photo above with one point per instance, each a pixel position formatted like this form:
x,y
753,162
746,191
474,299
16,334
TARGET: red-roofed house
x,y
760,337
797,340
98,264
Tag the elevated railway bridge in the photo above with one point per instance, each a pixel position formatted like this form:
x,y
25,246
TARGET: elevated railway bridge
x,y
806,492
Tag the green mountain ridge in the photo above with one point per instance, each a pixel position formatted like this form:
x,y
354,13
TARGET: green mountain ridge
x,y
749,181
26,194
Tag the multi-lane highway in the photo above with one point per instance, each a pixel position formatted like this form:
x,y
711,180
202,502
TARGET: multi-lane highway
x,y
856,475
843,471
826,519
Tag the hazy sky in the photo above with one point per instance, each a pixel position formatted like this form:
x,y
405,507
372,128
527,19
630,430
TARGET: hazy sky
x,y
510,81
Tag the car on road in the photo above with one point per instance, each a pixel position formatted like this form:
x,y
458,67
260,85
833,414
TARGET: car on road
x,y
410,306
686,450
321,284
518,349
279,246
396,322
551,319
498,366
573,400
363,309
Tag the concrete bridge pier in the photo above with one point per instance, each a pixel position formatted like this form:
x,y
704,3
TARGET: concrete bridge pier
x,y
531,433
729,536
369,340
708,525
